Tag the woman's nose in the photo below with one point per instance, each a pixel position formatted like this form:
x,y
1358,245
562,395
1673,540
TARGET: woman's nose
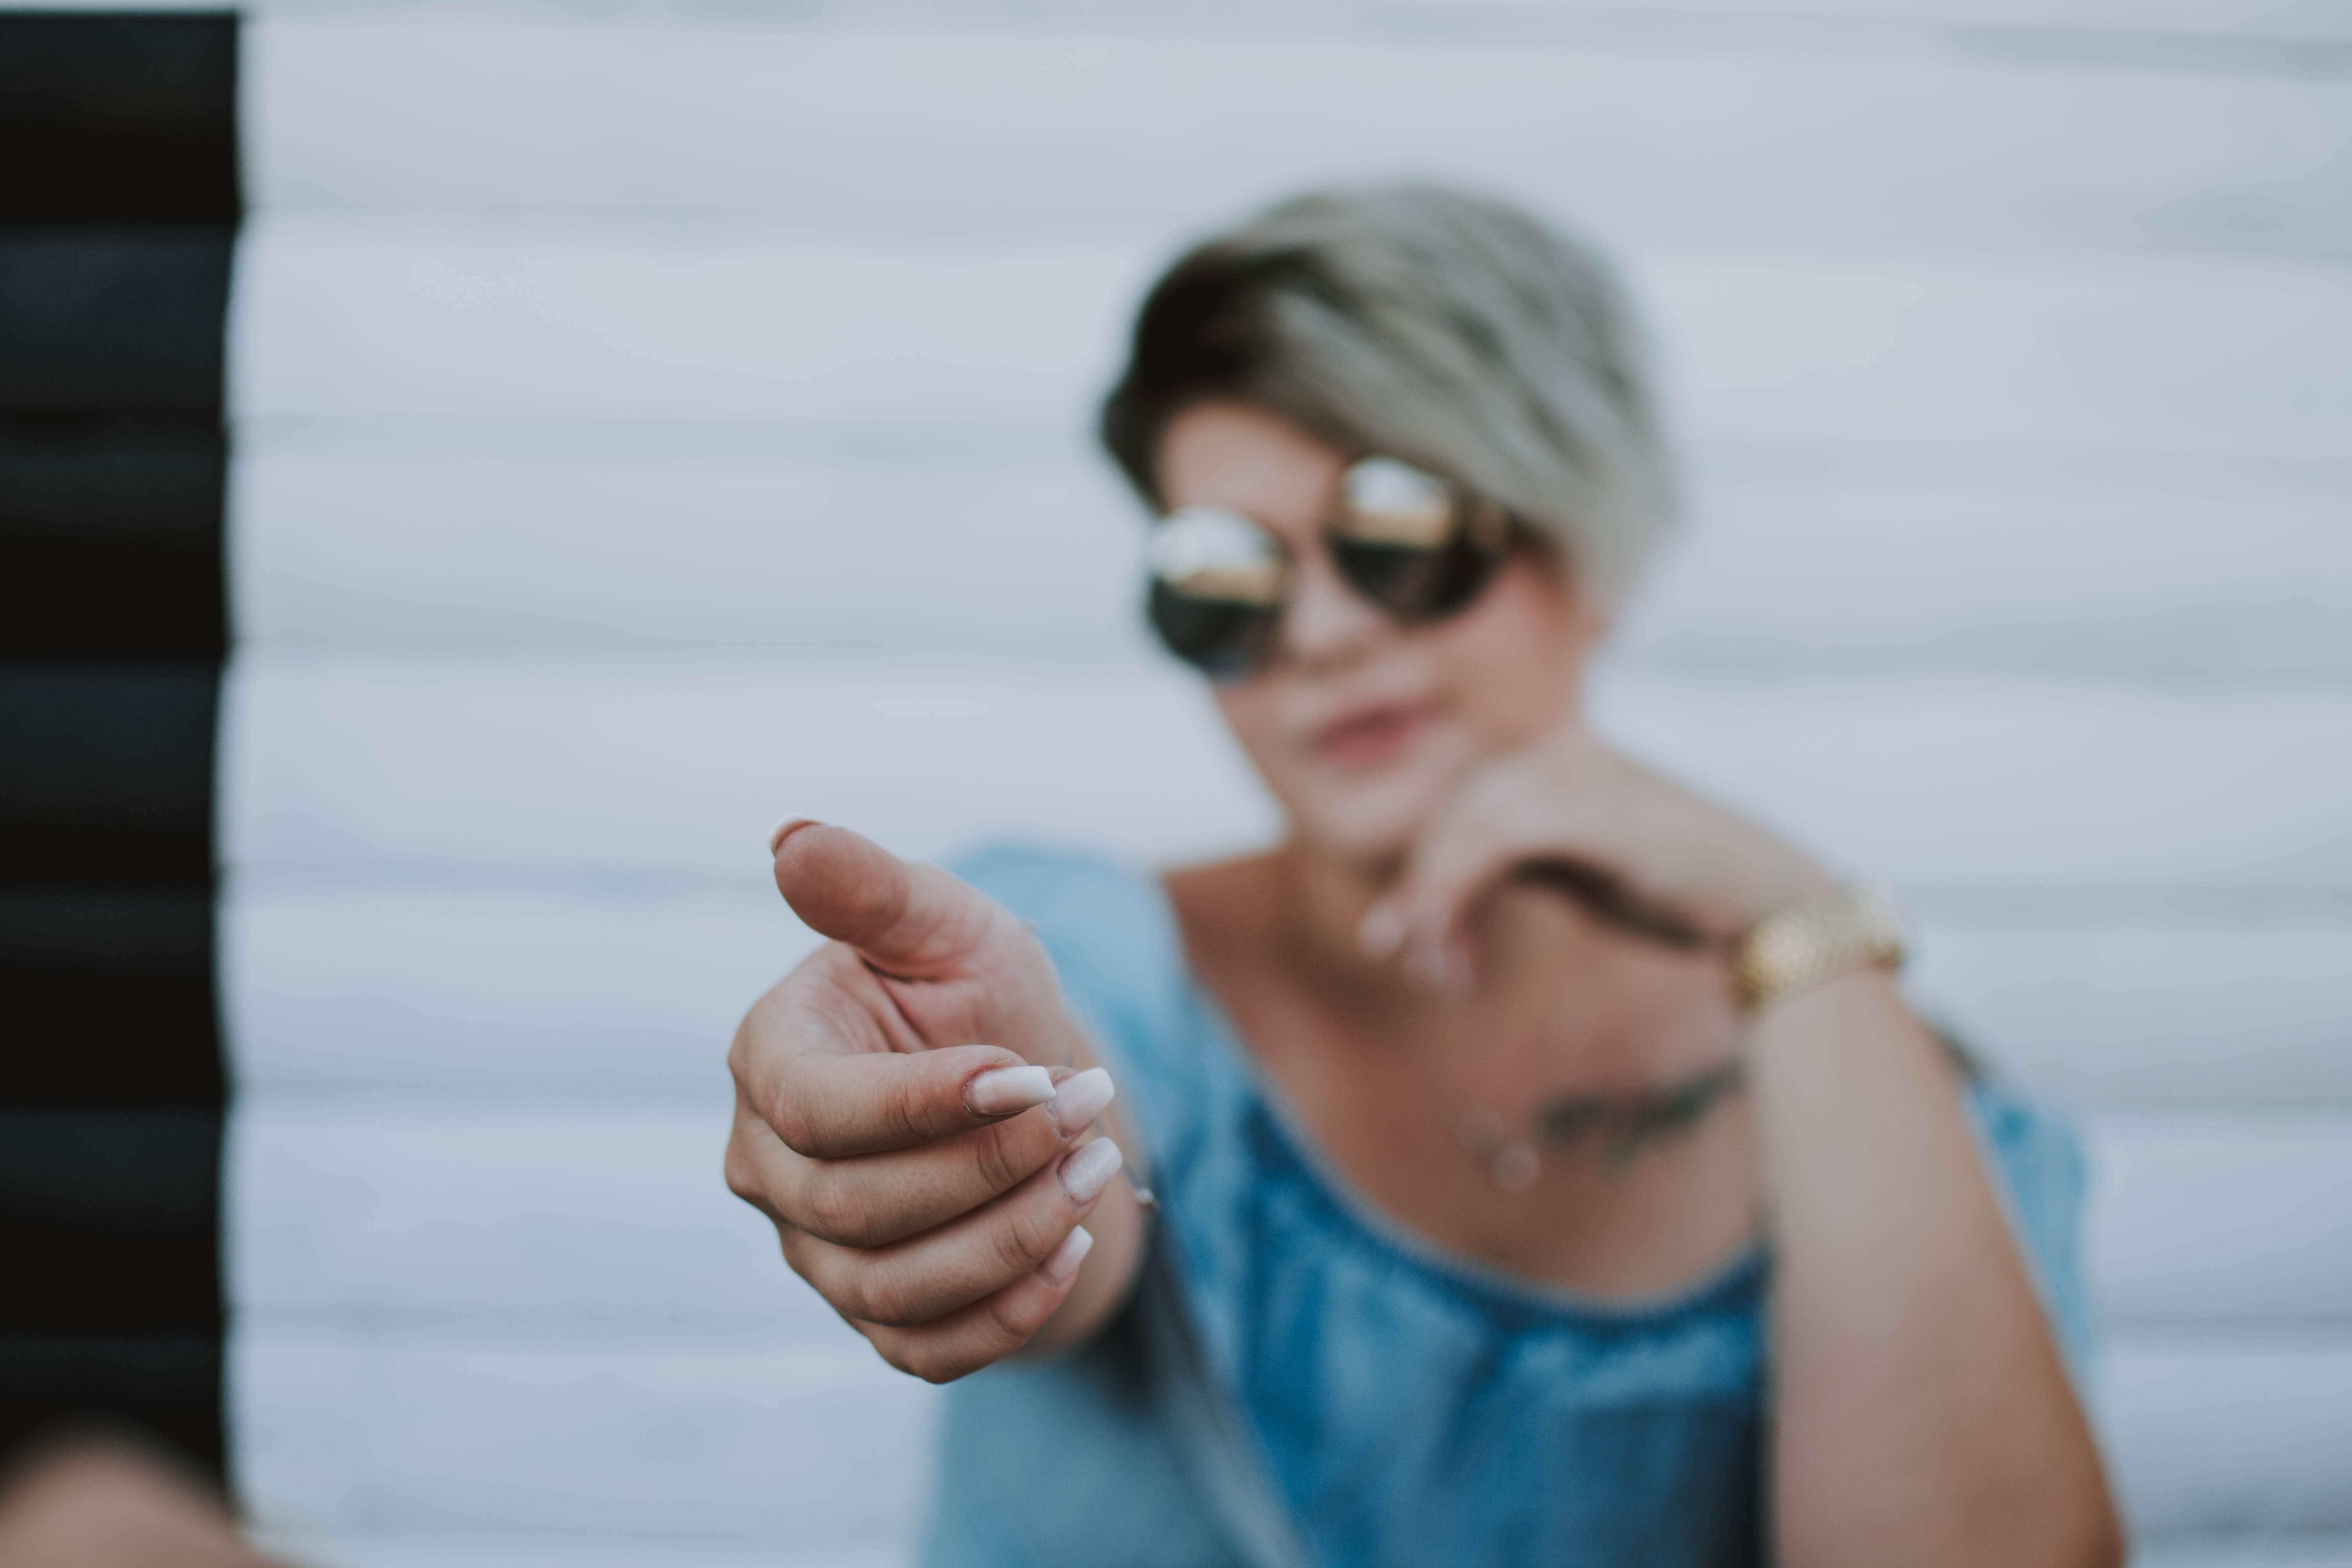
x,y
1326,625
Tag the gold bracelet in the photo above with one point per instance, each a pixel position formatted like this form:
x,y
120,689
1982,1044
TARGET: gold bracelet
x,y
1804,945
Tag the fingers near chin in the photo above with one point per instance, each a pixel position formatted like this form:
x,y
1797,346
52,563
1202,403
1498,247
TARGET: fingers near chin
x,y
989,1329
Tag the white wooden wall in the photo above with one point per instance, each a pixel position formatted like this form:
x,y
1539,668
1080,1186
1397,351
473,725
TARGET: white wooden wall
x,y
651,423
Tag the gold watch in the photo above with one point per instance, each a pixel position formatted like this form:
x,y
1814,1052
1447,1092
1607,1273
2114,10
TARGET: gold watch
x,y
1807,944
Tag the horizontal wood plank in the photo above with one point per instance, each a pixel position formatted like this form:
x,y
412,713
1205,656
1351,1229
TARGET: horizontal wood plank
x,y
953,553
705,1440
431,989
582,1213
2187,27
895,552
2252,1550
2204,1218
2183,1011
650,771
2212,1438
449,322
1703,144
452,987
711,1441
1825,573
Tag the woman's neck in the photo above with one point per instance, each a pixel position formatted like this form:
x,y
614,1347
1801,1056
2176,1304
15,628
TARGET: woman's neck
x,y
1390,1079
1324,897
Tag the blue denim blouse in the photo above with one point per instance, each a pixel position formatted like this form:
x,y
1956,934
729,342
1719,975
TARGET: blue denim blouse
x,y
1298,1381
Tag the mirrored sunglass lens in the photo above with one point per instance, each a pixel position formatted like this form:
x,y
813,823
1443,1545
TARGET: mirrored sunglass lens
x,y
1385,502
1217,586
1204,554
1222,638
1409,583
1416,581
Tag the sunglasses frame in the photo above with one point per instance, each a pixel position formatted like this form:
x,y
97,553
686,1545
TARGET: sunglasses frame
x,y
1233,633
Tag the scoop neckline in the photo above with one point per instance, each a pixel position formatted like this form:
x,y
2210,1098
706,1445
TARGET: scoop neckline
x,y
1386,1230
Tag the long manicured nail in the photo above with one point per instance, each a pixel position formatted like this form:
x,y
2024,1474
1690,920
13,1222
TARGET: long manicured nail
x,y
1086,1172
783,829
1008,1090
1078,1100
1383,930
1062,1264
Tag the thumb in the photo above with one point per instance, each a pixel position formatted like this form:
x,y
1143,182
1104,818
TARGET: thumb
x,y
915,921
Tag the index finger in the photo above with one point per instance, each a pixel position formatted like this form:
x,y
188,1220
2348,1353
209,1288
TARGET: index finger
x,y
827,1099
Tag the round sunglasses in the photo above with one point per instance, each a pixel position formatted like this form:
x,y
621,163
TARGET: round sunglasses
x,y
1410,542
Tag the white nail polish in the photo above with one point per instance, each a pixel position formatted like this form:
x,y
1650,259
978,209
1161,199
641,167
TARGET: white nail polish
x,y
1062,1263
776,835
1008,1090
1086,1172
1078,1100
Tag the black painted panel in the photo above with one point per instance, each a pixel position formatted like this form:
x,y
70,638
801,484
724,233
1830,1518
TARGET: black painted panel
x,y
111,1000
110,531
101,599
123,478
118,119
112,321
166,1386
115,747
109,1216
106,776
119,200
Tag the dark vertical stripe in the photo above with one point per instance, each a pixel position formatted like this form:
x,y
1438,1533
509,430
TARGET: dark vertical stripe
x,y
119,202
115,118
111,529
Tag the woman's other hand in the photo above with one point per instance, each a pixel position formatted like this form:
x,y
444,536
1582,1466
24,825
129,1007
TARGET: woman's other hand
x,y
911,1112
1642,849
96,1502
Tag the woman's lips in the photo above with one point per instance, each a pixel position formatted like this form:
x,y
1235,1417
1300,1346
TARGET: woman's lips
x,y
1368,736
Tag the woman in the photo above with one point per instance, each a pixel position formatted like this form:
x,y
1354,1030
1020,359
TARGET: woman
x,y
1474,1109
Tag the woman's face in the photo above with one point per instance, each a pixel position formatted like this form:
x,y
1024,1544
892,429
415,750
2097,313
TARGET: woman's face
x,y
1362,726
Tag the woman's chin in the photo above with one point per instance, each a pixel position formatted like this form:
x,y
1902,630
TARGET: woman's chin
x,y
1370,815
1369,824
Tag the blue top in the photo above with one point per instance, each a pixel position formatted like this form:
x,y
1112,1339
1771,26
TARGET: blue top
x,y
1301,1382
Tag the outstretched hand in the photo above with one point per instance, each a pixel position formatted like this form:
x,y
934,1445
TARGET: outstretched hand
x,y
913,1110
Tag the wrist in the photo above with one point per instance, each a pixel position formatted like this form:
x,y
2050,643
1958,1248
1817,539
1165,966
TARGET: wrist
x,y
1771,879
1810,943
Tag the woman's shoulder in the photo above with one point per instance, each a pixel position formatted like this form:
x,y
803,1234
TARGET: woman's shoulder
x,y
2044,1181
2035,1145
1063,891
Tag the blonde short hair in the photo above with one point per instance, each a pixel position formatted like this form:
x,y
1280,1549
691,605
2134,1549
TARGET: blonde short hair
x,y
1450,331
